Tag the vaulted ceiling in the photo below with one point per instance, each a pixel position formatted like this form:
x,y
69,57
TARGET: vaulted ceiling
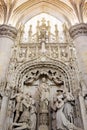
x,y
14,12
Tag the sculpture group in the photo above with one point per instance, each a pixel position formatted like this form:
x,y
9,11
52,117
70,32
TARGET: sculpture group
x,y
44,114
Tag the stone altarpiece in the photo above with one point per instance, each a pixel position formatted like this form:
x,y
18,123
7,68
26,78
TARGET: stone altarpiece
x,y
42,82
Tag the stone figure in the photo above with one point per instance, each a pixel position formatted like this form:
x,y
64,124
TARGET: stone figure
x,y
1,96
68,107
27,119
53,114
44,94
33,115
66,32
85,100
18,107
26,103
44,105
62,122
56,33
20,32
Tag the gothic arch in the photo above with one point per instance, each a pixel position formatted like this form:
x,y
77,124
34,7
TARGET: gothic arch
x,y
34,9
62,71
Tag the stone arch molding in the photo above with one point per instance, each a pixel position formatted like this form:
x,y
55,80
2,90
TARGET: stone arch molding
x,y
55,70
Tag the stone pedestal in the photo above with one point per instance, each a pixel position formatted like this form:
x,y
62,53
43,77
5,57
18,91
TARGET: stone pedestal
x,y
7,37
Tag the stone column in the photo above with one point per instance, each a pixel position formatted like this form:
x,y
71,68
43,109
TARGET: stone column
x,y
7,37
79,34
83,111
3,113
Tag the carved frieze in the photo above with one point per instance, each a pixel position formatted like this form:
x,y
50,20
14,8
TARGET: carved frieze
x,y
55,51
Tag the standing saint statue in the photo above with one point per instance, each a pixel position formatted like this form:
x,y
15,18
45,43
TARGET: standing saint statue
x,y
62,123
18,107
33,112
44,105
27,120
68,107
44,94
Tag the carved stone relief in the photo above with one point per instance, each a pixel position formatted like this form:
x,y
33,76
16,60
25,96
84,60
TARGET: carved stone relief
x,y
39,82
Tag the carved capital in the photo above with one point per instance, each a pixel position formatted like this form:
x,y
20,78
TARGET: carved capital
x,y
78,30
8,31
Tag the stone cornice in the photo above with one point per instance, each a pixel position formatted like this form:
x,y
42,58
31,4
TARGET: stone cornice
x,y
78,30
8,31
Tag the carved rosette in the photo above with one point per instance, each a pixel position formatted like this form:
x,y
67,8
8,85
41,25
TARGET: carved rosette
x,y
8,31
78,30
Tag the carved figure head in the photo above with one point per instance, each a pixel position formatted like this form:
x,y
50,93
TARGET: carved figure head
x,y
59,91
44,80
